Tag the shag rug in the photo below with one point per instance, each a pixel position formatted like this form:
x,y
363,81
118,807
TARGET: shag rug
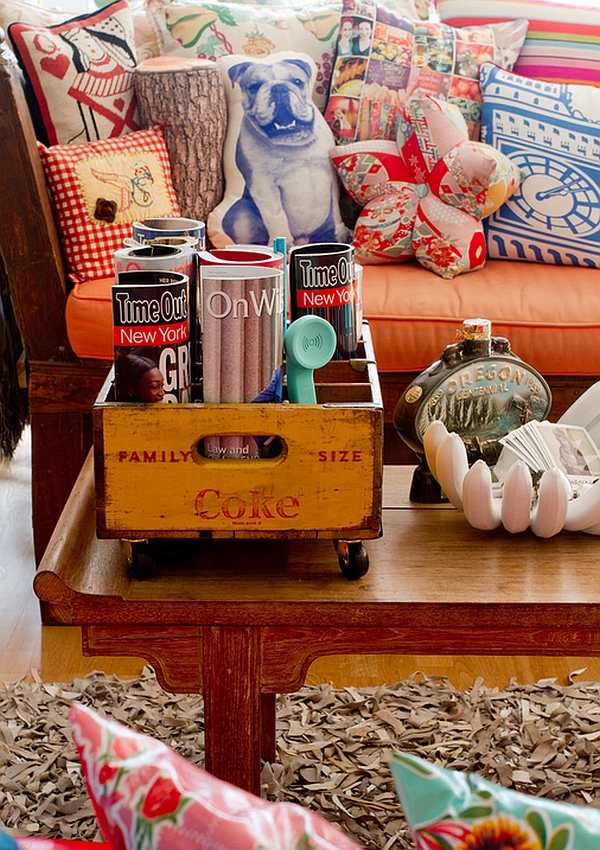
x,y
333,746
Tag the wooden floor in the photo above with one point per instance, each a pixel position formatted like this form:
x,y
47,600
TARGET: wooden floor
x,y
54,651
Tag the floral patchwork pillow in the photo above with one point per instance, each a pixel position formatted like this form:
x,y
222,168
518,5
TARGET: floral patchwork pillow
x,y
425,195
382,58
146,795
450,810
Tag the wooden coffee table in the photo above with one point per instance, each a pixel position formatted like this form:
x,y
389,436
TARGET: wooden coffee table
x,y
242,620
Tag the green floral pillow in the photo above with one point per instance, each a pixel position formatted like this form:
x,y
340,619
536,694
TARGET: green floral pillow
x,y
450,810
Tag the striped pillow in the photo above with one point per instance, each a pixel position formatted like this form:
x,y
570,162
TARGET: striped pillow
x,y
563,39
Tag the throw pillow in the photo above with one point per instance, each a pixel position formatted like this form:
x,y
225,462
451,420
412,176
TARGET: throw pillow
x,y
210,30
215,28
563,38
99,189
451,810
391,56
146,795
425,195
79,75
279,179
14,11
552,133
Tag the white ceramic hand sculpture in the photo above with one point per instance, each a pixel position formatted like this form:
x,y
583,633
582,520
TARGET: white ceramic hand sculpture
x,y
516,505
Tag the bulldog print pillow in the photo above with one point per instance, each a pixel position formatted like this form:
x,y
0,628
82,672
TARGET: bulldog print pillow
x,y
280,181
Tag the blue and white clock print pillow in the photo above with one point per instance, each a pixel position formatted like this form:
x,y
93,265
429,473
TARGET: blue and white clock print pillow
x,y
552,132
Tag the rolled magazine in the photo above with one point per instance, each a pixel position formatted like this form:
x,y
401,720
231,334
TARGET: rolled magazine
x,y
241,311
151,337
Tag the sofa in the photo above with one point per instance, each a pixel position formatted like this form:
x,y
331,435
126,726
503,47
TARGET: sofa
x,y
547,303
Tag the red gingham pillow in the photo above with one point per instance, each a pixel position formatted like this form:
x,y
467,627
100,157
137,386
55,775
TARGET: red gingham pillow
x,y
99,189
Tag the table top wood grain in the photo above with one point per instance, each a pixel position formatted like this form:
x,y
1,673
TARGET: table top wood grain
x,y
427,556
242,620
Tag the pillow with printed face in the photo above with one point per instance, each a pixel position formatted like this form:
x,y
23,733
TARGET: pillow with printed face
x,y
146,795
279,179
22,11
563,39
425,195
79,75
383,58
451,810
99,189
552,133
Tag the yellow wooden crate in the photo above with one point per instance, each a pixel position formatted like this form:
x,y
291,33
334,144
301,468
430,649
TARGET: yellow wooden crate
x,y
152,480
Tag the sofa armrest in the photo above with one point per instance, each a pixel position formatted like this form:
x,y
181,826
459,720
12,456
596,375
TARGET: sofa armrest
x,y
29,243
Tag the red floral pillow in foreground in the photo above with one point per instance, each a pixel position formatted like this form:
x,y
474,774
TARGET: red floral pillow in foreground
x,y
146,795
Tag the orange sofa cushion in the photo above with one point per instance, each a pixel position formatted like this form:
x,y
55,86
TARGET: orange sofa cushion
x,y
89,318
550,314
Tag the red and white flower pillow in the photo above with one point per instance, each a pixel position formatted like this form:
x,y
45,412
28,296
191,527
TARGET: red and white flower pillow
x,y
146,795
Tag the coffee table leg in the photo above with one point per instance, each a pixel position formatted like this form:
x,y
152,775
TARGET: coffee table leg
x,y
232,704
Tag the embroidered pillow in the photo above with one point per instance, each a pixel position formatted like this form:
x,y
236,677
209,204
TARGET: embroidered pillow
x,y
563,38
279,179
146,795
425,195
13,11
79,75
390,56
552,134
99,189
451,810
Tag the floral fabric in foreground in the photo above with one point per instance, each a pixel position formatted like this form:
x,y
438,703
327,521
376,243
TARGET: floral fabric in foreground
x,y
451,810
147,796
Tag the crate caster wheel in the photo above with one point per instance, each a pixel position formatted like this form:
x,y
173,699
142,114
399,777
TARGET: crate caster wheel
x,y
140,562
353,558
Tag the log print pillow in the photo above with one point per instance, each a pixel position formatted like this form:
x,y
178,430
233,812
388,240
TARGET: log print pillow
x,y
386,57
79,75
146,795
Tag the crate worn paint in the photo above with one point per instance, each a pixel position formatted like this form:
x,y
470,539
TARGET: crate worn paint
x,y
153,481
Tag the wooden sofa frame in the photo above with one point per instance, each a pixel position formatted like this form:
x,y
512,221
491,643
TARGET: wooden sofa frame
x,y
62,387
